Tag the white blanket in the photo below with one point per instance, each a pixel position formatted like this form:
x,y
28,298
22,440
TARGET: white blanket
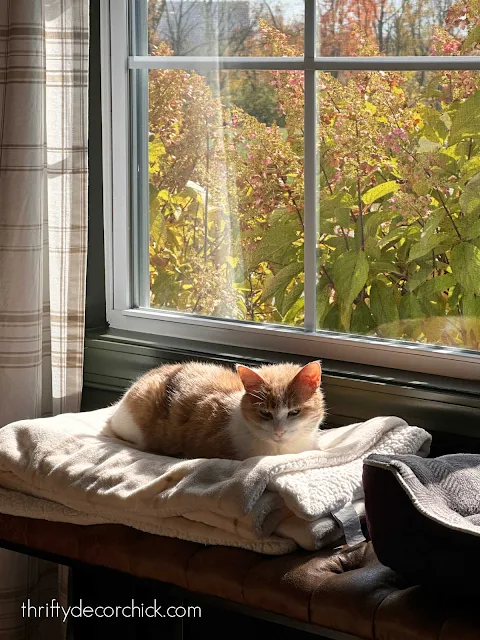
x,y
66,469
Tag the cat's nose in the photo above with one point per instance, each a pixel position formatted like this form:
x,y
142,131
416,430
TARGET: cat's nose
x,y
278,433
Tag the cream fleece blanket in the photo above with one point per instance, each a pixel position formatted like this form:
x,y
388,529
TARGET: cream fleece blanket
x,y
65,469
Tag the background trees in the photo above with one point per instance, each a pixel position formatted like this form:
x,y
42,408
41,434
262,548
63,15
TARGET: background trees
x,y
399,242
398,27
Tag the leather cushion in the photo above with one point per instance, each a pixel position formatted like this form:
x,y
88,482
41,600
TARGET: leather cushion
x,y
348,591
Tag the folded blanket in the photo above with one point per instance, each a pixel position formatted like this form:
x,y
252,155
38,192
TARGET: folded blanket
x,y
67,469
424,515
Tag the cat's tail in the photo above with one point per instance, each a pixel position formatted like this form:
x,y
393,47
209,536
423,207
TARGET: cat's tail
x,y
122,424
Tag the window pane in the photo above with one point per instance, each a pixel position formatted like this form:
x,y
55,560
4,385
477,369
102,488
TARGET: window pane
x,y
400,205
226,194
223,27
397,27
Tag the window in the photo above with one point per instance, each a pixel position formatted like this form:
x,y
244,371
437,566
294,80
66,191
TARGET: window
x,y
297,176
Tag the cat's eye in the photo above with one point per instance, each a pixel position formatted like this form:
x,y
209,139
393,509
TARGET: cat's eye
x,y
266,414
293,412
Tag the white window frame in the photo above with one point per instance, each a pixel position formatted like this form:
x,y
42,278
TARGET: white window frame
x,y
124,309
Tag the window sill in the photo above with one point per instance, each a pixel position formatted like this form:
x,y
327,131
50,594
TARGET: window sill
x,y
376,353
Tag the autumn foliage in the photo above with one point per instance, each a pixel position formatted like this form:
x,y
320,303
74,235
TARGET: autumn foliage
x,y
399,187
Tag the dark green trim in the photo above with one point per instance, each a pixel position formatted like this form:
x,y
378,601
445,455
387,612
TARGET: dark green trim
x,y
95,307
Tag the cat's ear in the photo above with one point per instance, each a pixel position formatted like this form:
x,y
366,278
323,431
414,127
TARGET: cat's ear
x,y
307,380
251,380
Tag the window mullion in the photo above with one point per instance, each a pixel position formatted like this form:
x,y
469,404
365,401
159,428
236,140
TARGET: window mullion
x,y
397,63
140,177
202,64
352,63
310,169
139,165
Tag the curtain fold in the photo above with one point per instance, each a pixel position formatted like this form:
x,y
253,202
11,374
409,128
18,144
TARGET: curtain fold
x,y
43,246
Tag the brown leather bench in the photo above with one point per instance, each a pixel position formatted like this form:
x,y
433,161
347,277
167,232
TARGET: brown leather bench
x,y
328,593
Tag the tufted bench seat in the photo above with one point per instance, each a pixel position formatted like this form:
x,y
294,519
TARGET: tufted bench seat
x,y
327,592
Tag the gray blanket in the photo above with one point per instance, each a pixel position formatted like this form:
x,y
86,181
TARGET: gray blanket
x,y
445,489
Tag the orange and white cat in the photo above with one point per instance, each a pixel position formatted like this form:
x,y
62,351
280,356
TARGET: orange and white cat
x,y
198,410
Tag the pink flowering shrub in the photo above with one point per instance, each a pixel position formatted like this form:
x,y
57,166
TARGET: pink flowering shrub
x,y
399,185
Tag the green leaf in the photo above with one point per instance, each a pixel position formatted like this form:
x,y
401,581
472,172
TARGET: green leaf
x,y
427,146
341,217
372,221
294,311
291,298
336,243
409,308
326,226
157,224
416,277
242,307
470,198
466,120
280,280
433,221
398,233
372,249
472,38
470,168
382,303
380,190
381,266
435,127
172,239
280,299
164,287
427,243
474,231
280,216
436,285
232,261
471,305
164,195
330,205
323,301
429,308
362,319
465,263
331,321
454,297
350,273
276,240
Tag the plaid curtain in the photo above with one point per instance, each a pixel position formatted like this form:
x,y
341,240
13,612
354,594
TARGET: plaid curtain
x,y
43,246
